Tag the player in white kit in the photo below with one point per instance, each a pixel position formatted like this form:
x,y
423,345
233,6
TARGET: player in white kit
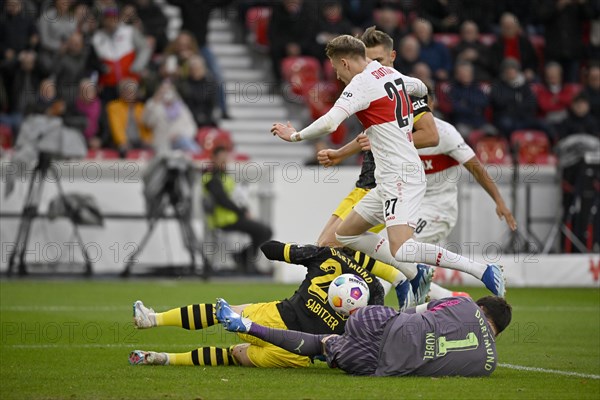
x,y
378,95
442,163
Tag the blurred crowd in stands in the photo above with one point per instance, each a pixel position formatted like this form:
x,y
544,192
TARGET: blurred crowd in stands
x,y
497,66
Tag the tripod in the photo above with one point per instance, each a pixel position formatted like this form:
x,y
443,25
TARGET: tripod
x,y
176,193
30,212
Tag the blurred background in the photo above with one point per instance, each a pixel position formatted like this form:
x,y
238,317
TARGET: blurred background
x,y
116,116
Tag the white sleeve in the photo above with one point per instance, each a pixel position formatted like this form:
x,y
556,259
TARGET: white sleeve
x,y
414,87
458,148
324,125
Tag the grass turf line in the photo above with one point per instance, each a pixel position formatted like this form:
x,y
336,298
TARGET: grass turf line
x,y
71,340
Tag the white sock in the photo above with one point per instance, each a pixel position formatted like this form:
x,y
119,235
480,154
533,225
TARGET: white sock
x,y
437,292
417,252
377,247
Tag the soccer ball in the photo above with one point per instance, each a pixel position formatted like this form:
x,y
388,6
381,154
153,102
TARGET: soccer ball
x,y
348,292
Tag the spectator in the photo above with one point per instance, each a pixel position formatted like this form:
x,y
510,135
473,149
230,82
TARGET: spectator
x,y
478,11
513,102
408,55
125,119
292,32
199,91
88,104
434,54
195,15
472,50
563,22
468,101
359,12
149,19
442,14
524,11
56,25
71,68
332,23
121,49
171,121
422,71
553,97
178,53
225,214
592,88
580,119
387,21
17,31
512,44
22,87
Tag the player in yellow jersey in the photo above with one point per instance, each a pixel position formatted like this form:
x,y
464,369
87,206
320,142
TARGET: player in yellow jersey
x,y
307,310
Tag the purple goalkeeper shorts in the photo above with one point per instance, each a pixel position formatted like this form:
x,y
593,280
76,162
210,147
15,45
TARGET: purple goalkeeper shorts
x,y
357,350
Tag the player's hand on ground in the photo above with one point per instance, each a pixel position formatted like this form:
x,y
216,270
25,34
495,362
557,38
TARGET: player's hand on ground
x,y
328,157
505,215
283,131
364,142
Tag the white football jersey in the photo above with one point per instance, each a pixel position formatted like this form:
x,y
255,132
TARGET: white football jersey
x,y
379,96
442,165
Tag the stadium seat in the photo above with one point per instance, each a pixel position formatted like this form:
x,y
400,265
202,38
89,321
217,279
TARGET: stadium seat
x,y
210,137
257,22
329,73
450,40
6,137
139,154
444,105
320,98
475,136
493,150
301,73
103,154
532,147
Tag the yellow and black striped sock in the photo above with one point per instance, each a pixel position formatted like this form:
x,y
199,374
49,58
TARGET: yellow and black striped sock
x,y
208,356
192,317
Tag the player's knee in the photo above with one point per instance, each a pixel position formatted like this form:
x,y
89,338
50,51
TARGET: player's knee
x,y
240,354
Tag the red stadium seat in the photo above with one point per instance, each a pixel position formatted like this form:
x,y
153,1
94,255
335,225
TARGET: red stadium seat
x,y
442,91
450,40
211,137
532,147
6,137
301,73
320,98
475,136
257,22
493,150
139,154
103,154
329,73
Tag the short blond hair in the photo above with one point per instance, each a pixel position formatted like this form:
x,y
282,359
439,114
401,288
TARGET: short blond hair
x,y
373,38
346,46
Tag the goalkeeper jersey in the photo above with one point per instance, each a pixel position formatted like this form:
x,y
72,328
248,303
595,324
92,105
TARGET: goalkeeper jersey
x,y
308,309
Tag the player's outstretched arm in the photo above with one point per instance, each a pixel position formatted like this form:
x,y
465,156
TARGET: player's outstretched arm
x,y
321,127
486,182
331,157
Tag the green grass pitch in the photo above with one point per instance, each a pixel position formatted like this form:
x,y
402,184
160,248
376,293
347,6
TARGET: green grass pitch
x,y
70,340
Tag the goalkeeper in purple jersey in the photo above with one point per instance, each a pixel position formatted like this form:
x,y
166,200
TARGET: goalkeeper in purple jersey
x,y
454,336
